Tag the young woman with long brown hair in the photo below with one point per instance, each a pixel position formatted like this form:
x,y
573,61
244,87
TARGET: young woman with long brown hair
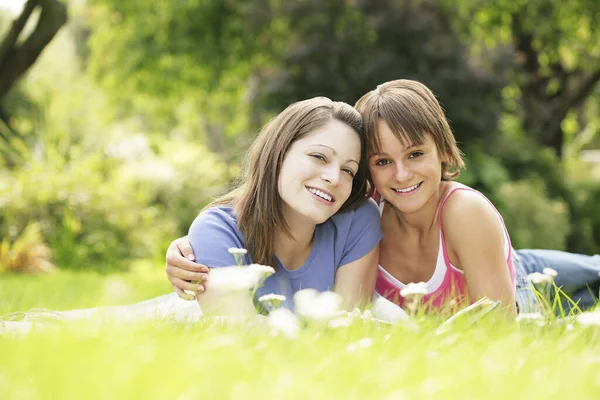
x,y
302,206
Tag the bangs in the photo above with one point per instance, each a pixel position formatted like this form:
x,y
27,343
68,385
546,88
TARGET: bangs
x,y
411,111
409,128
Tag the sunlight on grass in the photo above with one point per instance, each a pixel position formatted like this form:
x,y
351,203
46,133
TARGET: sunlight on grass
x,y
161,358
166,360
64,290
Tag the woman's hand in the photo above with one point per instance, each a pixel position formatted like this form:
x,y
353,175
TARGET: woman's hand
x,y
182,270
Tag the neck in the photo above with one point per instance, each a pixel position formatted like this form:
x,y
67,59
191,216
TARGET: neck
x,y
293,249
422,221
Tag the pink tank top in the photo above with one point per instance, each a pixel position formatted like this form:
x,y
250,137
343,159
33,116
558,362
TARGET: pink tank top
x,y
447,286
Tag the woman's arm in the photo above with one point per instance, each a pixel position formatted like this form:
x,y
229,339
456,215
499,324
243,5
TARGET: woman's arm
x,y
475,240
211,235
355,281
357,271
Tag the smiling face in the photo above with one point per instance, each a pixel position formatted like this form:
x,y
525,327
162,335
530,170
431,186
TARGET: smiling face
x,y
407,175
317,173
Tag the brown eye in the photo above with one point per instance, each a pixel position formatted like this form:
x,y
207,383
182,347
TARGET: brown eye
x,y
383,162
349,172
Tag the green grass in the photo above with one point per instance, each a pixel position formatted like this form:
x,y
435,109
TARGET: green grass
x,y
162,359
64,290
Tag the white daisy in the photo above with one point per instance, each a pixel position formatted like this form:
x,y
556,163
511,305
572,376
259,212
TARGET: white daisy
x,y
271,301
537,278
236,250
414,289
283,321
550,272
317,307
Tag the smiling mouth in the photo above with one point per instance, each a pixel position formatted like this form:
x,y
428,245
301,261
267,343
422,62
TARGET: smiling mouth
x,y
322,195
409,189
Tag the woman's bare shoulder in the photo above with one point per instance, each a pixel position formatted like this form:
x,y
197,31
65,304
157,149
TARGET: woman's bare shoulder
x,y
466,212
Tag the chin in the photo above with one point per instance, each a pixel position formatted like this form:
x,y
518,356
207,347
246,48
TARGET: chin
x,y
319,218
405,208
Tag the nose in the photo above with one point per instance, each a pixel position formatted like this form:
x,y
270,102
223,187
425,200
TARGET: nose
x,y
402,173
331,175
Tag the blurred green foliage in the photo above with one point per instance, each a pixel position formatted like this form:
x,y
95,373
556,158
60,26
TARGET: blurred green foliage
x,y
86,216
136,115
533,220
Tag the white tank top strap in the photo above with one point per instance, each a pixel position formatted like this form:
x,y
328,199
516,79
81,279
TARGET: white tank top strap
x,y
381,204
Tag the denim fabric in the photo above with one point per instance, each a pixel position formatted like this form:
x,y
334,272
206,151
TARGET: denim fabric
x,y
578,274
526,300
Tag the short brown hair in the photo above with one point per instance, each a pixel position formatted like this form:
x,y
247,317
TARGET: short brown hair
x,y
257,202
411,110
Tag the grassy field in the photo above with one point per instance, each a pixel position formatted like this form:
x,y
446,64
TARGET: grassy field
x,y
162,359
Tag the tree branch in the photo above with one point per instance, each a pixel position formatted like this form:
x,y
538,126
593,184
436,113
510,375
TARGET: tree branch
x,y
17,26
551,128
584,88
18,59
563,76
572,98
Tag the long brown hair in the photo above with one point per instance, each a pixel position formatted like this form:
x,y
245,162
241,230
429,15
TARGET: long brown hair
x,y
411,111
256,200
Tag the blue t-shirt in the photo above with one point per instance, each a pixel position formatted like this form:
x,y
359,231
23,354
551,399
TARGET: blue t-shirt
x,y
338,241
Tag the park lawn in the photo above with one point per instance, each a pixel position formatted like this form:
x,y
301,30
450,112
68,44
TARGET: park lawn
x,y
163,359
63,290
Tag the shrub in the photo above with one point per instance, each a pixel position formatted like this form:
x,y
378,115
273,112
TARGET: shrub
x,y
27,253
88,214
103,210
533,220
585,237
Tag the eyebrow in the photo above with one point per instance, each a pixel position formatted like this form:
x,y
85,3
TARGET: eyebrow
x,y
333,150
412,146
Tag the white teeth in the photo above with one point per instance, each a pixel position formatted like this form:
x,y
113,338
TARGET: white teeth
x,y
408,189
321,194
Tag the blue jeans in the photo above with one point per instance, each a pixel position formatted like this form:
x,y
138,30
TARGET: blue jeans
x,y
578,274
